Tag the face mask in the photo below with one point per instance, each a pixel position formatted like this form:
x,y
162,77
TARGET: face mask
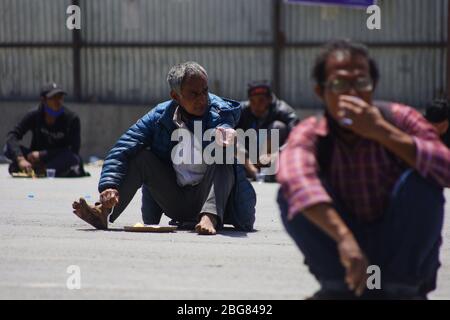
x,y
53,113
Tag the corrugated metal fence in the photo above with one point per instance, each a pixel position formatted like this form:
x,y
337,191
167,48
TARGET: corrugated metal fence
x,y
125,47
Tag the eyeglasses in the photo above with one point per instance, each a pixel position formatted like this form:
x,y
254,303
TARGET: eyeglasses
x,y
339,85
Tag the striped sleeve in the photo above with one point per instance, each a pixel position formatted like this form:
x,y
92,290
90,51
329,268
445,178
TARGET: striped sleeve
x,y
432,156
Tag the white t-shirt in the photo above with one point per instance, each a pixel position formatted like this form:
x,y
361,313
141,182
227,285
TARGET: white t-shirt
x,y
188,172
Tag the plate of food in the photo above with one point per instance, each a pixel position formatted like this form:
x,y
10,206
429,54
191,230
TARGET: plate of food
x,y
140,227
23,174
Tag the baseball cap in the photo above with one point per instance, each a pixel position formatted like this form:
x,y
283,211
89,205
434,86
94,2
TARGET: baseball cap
x,y
259,87
51,89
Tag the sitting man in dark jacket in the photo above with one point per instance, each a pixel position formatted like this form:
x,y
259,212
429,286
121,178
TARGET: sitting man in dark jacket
x,y
264,110
207,194
55,141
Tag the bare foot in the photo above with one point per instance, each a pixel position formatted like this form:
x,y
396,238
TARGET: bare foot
x,y
207,225
96,216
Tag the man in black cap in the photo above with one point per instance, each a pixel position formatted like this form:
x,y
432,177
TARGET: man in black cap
x,y
438,114
55,141
264,110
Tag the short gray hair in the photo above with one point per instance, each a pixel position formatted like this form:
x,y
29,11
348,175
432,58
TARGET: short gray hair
x,y
178,73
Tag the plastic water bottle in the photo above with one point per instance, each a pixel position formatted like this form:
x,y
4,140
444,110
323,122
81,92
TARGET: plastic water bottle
x,y
260,177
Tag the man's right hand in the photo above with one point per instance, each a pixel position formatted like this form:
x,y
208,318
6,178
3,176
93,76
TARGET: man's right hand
x,y
24,165
109,198
251,169
354,262
351,256
33,157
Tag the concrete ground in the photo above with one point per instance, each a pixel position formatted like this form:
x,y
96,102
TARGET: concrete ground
x,y
40,238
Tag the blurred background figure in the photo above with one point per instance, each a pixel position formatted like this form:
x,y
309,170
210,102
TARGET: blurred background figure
x,y
55,141
438,114
263,110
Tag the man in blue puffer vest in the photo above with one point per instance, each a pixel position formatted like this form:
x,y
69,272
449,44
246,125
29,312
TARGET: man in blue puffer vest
x,y
207,194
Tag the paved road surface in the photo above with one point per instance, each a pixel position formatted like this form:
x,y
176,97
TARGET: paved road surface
x,y
40,238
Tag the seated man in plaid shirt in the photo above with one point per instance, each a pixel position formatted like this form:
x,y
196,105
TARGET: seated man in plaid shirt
x,y
363,185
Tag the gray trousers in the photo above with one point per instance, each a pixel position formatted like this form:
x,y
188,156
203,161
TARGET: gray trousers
x,y
184,204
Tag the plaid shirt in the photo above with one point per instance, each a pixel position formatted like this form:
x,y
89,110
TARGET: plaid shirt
x,y
362,177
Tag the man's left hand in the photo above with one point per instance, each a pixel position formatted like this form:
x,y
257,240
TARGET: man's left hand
x,y
33,157
225,136
365,118
267,159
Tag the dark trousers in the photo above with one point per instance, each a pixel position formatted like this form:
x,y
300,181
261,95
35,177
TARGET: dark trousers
x,y
265,145
161,193
404,243
282,129
64,162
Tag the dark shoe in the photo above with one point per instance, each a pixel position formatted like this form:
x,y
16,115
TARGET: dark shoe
x,y
332,295
182,225
406,296
270,178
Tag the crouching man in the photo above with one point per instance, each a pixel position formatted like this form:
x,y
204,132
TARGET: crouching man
x,y
362,185
55,140
207,194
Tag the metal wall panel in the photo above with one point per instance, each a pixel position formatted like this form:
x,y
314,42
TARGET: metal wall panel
x,y
412,76
296,84
34,21
177,20
139,75
24,70
401,21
